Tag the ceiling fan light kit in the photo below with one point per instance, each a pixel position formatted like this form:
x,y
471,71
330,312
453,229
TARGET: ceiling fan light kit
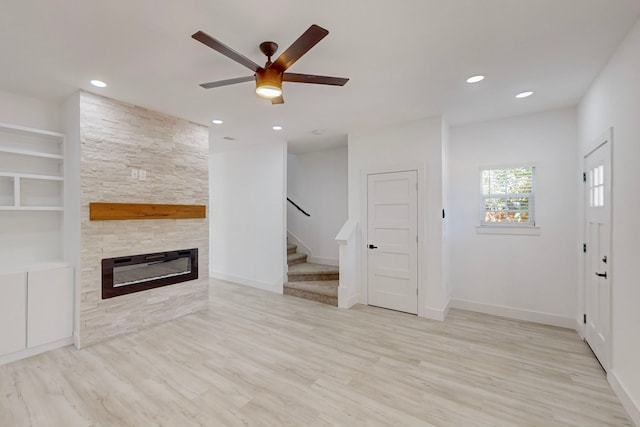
x,y
270,77
269,83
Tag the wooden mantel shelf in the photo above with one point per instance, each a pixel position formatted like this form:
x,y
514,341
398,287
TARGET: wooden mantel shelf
x,y
120,211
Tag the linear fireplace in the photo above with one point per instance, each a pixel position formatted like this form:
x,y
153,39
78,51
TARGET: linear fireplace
x,y
136,273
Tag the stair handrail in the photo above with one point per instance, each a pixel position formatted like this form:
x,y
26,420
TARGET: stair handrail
x,y
298,207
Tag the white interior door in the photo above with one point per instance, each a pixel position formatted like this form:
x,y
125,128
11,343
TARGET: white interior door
x,y
392,247
598,261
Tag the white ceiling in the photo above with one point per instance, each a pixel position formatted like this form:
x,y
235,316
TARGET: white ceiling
x,y
407,59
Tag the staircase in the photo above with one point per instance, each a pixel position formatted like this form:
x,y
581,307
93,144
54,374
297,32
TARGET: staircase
x,y
310,281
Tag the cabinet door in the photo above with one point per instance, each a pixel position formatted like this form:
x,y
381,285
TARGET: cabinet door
x,y
13,312
50,306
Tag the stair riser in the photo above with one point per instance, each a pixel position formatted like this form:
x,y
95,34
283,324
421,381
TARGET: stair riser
x,y
311,296
312,277
323,287
291,251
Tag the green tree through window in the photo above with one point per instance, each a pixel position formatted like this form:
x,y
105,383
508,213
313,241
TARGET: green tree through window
x,y
508,195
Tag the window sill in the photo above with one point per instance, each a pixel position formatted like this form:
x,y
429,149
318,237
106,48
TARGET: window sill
x,y
515,230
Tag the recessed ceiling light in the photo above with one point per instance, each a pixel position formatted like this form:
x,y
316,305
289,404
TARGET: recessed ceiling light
x,y
277,127
217,122
98,83
475,79
524,94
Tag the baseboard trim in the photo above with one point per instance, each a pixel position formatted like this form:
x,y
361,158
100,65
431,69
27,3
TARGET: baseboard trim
x,y
434,313
23,354
271,287
446,309
632,408
302,248
345,300
515,313
580,328
325,261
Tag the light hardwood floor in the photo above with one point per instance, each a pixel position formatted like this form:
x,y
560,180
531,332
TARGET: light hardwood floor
x,y
260,359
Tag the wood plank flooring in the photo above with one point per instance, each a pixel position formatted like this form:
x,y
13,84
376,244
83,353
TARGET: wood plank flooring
x,y
260,359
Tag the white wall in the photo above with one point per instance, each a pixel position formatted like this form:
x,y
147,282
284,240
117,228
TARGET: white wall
x,y
247,213
402,147
31,112
614,101
532,277
318,183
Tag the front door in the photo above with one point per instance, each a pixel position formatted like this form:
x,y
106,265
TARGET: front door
x,y
392,232
598,260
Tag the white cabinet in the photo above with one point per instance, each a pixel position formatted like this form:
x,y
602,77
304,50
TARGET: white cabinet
x,y
36,311
13,312
50,306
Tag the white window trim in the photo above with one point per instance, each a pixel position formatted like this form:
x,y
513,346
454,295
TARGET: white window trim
x,y
519,228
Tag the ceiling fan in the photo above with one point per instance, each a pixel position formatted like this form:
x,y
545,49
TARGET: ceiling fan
x,y
270,77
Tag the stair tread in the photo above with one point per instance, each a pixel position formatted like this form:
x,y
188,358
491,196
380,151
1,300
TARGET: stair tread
x,y
296,256
321,287
291,246
311,268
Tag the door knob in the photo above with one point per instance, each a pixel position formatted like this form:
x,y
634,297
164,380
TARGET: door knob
x,y
373,247
602,274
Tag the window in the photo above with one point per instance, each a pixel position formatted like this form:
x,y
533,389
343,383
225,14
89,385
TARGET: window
x,y
596,186
508,196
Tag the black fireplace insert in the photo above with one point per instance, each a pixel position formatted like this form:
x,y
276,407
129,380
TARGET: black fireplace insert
x,y
136,273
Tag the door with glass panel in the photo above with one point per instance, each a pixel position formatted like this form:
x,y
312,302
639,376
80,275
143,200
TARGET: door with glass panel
x,y
597,275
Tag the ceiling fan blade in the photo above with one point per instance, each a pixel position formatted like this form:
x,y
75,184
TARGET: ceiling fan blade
x,y
306,41
227,82
308,78
225,50
278,100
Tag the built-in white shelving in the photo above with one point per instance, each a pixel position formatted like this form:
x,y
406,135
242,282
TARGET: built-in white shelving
x,y
36,284
31,153
32,208
32,176
31,169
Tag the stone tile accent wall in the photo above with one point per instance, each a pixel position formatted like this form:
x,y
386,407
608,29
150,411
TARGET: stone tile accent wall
x,y
114,138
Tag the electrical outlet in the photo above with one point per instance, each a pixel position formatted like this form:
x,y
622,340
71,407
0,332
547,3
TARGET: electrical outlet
x,y
134,173
142,175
